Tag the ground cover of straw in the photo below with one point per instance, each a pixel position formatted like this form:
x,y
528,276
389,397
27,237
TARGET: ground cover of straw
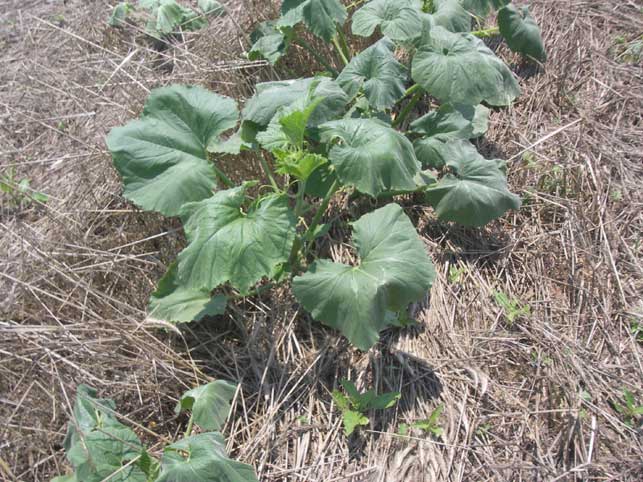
x,y
529,400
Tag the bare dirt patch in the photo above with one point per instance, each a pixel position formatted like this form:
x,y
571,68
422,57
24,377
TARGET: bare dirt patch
x,y
529,399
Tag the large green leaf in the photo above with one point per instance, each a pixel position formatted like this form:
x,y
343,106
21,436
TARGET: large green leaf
x,y
88,414
210,403
371,156
175,303
459,68
230,245
378,72
456,121
481,7
474,192
102,454
320,16
393,271
202,458
162,156
446,131
451,15
521,32
269,42
170,16
399,20
271,96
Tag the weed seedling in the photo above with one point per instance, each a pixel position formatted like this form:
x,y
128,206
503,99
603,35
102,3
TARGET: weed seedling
x,y
631,411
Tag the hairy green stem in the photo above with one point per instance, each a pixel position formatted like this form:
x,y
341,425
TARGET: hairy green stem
x,y
305,45
322,209
299,203
344,44
268,172
484,33
339,50
418,93
225,179
188,430
412,90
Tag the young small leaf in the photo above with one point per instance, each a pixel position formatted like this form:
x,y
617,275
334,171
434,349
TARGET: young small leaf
x,y
119,14
202,458
229,245
269,42
521,32
162,157
353,419
394,270
210,404
385,400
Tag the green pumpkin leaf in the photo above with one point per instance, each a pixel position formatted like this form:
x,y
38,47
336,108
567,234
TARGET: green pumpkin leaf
x,y
378,72
288,127
481,8
353,419
460,69
103,454
371,156
202,458
399,20
394,270
451,15
212,8
119,14
473,193
227,244
88,415
320,16
174,303
521,32
454,121
210,403
162,157
170,16
269,42
271,96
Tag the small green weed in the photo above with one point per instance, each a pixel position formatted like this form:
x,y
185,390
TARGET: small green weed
x,y
354,405
19,193
631,411
511,307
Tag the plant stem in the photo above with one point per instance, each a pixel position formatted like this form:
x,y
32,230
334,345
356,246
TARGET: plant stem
x,y
225,179
268,172
344,44
484,33
339,50
409,106
412,90
188,430
305,45
301,189
322,209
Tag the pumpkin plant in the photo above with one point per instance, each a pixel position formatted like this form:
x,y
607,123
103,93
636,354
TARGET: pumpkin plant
x,y
100,447
353,132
